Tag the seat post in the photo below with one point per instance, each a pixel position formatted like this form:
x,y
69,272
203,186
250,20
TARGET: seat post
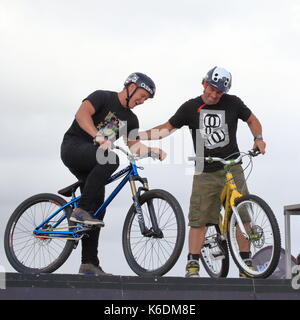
x,y
73,193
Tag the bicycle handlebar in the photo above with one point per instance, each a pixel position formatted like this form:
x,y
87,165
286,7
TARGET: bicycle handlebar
x,y
135,157
252,153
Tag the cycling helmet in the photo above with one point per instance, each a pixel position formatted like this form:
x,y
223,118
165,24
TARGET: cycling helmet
x,y
219,78
141,81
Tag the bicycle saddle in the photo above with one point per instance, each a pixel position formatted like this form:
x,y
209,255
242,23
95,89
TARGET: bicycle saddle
x,y
67,191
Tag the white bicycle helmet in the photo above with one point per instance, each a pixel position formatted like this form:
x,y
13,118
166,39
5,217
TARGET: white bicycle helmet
x,y
219,78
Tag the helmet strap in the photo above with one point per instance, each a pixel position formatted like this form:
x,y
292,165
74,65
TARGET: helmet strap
x,y
129,96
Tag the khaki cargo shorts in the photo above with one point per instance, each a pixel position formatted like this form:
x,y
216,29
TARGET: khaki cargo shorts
x,y
205,203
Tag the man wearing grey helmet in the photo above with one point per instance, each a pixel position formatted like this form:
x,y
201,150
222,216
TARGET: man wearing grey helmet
x,y
102,118
212,119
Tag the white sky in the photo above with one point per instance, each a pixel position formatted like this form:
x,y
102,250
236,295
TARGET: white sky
x,y
54,53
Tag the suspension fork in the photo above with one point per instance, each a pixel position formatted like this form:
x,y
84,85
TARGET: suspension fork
x,y
136,203
136,193
234,194
155,228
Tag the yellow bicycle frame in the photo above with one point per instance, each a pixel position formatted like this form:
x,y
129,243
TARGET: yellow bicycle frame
x,y
228,196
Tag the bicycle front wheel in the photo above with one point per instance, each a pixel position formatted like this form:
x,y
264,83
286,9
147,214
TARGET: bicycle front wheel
x,y
149,255
28,253
263,231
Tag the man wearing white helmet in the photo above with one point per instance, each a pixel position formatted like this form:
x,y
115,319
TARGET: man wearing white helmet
x,y
212,119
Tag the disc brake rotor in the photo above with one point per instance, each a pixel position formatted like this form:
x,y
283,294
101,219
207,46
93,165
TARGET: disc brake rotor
x,y
257,237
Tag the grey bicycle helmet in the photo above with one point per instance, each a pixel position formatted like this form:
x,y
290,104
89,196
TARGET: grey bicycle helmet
x,y
219,78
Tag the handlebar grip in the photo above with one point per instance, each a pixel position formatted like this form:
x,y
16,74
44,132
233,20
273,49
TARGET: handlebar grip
x,y
153,155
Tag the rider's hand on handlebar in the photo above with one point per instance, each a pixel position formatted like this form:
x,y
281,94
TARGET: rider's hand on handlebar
x,y
260,145
162,155
105,144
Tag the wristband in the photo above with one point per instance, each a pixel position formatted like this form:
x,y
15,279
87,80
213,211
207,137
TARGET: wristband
x,y
259,136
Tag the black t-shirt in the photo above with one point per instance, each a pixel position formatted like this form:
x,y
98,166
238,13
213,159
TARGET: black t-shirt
x,y
213,127
111,118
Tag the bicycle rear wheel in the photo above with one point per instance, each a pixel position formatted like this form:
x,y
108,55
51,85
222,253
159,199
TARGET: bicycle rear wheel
x,y
214,253
150,255
28,253
263,232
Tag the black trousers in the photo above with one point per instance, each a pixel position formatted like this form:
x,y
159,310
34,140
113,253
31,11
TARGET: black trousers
x,y
83,160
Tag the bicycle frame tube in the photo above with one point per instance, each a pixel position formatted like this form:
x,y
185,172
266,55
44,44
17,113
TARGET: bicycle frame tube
x,y
131,170
131,176
56,212
53,232
225,201
233,188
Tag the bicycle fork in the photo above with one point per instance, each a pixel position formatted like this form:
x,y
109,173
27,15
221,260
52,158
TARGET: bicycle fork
x,y
235,195
154,231
240,223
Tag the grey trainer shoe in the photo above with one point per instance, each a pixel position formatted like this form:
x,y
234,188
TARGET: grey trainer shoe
x,y
90,269
81,216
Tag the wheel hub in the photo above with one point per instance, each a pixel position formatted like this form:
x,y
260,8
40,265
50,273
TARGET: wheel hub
x,y
256,236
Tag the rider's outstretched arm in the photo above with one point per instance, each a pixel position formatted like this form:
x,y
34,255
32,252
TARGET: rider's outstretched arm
x,y
256,129
158,132
136,147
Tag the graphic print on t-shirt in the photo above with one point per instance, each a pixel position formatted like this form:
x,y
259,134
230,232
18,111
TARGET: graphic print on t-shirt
x,y
213,128
111,126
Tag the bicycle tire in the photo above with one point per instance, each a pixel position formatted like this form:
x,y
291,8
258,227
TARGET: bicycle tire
x,y
214,253
268,233
145,266
19,231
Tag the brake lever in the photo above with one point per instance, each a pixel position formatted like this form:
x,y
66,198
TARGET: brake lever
x,y
254,152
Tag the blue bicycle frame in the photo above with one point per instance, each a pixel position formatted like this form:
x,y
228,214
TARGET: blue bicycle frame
x,y
130,172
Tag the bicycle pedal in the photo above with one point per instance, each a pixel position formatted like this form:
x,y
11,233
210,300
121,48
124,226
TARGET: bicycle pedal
x,y
217,255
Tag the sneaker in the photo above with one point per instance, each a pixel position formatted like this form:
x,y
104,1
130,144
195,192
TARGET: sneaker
x,y
91,269
248,262
81,216
192,269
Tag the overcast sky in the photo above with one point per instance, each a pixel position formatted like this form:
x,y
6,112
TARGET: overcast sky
x,y
54,53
